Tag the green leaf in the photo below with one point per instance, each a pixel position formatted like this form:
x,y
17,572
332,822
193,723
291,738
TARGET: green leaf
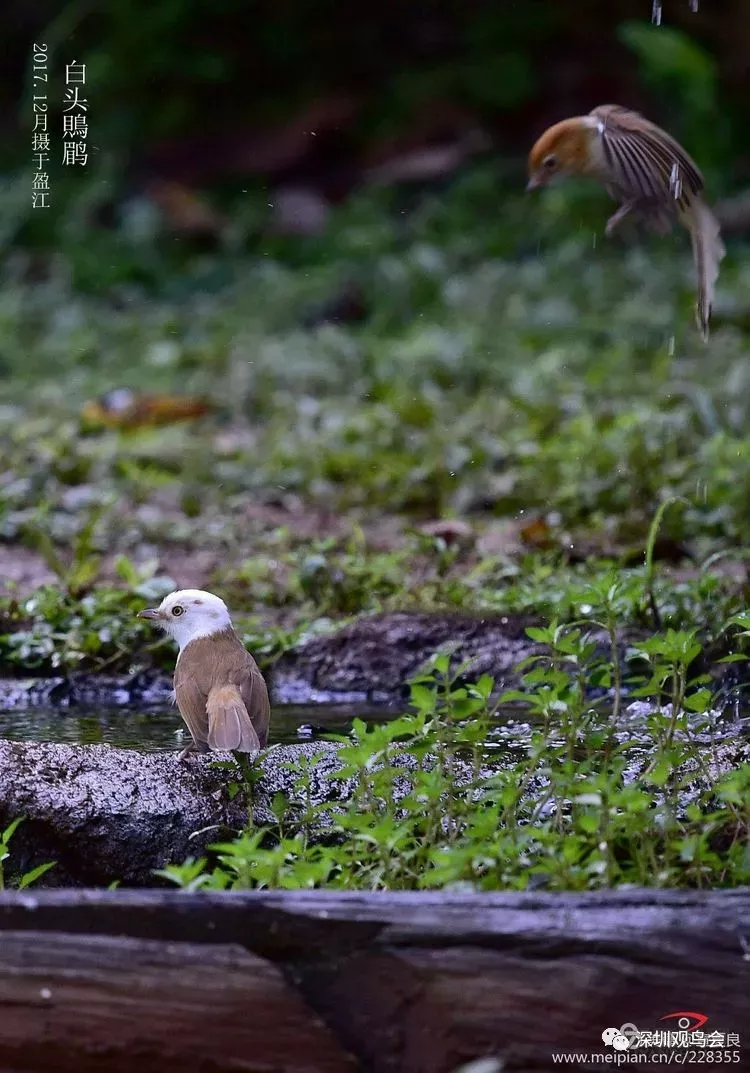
x,y
10,830
31,877
422,697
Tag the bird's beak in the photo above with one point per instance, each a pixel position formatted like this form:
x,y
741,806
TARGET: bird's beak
x,y
533,183
151,613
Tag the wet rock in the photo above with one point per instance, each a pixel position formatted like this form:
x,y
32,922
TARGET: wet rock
x,y
105,814
109,691
373,658
294,689
28,692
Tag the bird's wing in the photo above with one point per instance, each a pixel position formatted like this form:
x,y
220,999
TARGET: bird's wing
x,y
647,162
229,725
191,701
255,695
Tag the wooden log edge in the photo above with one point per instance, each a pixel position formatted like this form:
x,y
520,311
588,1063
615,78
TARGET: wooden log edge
x,y
427,981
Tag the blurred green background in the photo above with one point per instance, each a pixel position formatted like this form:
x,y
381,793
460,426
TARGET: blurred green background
x,y
311,219
239,96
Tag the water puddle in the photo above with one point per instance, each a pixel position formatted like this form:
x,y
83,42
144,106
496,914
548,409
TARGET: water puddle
x,y
161,727
154,724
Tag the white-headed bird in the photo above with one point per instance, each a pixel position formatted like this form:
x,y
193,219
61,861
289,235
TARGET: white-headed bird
x,y
218,687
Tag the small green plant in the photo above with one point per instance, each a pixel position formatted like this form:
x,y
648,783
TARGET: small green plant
x,y
77,573
28,877
54,630
579,799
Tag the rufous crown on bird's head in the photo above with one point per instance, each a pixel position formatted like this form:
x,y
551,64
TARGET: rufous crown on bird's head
x,y
562,150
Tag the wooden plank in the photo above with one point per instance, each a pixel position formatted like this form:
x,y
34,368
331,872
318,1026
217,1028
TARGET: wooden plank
x,y
73,1005
278,924
419,983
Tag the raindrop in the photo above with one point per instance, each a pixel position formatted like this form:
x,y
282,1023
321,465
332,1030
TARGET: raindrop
x,y
656,12
675,182
693,5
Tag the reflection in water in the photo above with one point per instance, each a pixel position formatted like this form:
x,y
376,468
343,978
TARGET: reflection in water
x,y
163,728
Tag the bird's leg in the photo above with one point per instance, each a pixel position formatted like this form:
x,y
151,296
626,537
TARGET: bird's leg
x,y
618,217
193,747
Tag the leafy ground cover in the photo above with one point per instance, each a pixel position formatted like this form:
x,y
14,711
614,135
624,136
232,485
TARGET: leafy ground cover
x,y
578,800
539,393
513,371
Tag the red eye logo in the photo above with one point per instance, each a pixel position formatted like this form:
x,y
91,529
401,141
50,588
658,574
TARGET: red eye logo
x,y
684,1024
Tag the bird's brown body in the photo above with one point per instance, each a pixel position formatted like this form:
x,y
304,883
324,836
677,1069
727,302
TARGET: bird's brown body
x,y
218,686
221,694
643,168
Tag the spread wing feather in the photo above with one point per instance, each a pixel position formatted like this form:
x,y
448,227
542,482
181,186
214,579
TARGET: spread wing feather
x,y
650,169
647,162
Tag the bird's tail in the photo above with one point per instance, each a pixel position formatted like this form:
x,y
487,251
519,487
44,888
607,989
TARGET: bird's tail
x,y
229,725
708,251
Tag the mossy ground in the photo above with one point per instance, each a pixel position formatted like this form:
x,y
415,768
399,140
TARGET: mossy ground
x,y
514,371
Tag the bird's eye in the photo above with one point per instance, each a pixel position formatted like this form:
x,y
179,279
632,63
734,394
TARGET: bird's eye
x,y
549,162
177,610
